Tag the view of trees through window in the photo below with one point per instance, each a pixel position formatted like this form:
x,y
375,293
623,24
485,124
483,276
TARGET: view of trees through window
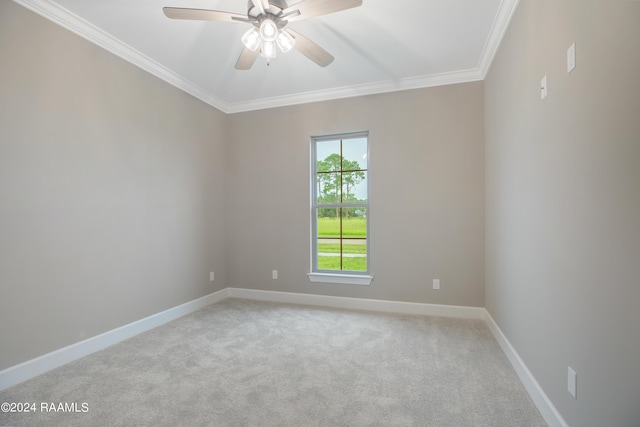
x,y
341,203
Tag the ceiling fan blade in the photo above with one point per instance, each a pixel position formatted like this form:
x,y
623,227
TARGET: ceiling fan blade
x,y
201,14
310,8
246,59
311,50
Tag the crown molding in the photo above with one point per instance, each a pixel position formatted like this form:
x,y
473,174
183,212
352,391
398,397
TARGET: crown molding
x,y
61,16
358,90
498,29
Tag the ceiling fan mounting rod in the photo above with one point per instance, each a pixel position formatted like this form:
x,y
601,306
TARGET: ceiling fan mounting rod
x,y
264,14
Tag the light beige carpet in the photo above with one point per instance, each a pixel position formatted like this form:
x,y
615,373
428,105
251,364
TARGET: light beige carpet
x,y
247,363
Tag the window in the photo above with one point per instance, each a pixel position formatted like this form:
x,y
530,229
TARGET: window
x,y
340,208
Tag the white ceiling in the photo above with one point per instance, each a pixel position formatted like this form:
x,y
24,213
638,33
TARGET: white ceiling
x,y
378,47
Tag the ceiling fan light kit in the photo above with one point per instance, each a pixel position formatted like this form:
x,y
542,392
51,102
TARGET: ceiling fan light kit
x,y
268,50
285,41
269,19
251,39
266,37
268,30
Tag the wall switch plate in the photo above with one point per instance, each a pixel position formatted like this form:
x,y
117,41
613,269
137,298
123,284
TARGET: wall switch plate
x,y
571,58
436,283
543,88
274,274
211,276
572,382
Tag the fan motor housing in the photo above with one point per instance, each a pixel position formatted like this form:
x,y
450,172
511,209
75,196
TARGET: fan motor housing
x,y
275,6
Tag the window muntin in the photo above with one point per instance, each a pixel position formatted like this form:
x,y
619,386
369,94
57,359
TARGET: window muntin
x,y
340,204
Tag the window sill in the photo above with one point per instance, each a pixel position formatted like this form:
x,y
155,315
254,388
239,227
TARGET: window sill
x,y
347,279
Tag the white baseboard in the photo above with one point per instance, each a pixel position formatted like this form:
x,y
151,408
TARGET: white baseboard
x,y
361,304
539,397
34,367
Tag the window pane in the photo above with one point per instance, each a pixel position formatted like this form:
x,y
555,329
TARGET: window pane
x,y
328,156
328,222
354,223
328,187
355,150
329,254
354,255
354,187
340,181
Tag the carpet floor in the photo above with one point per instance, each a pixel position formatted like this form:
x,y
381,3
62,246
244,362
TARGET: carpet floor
x,y
248,363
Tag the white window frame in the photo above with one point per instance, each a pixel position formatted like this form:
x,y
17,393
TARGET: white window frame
x,y
337,276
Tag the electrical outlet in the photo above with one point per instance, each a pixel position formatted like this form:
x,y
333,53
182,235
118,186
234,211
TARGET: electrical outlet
x,y
572,382
436,283
211,276
274,274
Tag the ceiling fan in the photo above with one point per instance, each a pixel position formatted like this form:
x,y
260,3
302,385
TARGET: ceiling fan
x,y
269,19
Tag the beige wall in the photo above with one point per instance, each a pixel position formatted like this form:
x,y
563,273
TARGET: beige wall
x,y
426,193
563,203
111,190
